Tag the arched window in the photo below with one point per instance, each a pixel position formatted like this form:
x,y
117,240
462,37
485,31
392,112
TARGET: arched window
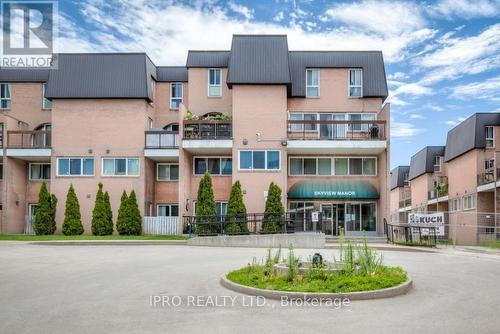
x,y
172,127
42,138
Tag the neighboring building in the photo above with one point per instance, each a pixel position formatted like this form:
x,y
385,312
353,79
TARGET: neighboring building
x,y
314,123
400,195
460,179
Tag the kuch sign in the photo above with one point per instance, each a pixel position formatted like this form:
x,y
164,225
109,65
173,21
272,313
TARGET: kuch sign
x,y
435,219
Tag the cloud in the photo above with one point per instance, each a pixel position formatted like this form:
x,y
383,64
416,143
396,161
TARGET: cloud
x,y
416,116
157,31
382,17
404,129
414,89
455,122
242,10
465,9
279,17
397,76
395,100
458,56
488,89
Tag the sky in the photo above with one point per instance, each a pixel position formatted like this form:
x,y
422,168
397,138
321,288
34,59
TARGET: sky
x,y
442,57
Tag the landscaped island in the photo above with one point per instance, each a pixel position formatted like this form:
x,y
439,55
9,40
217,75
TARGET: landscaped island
x,y
359,268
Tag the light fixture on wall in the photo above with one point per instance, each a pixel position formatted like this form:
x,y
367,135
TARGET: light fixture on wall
x,y
90,151
245,141
108,150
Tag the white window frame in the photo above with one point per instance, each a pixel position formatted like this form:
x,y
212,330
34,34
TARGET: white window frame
x,y
472,202
349,86
406,179
332,158
214,85
81,167
488,139
265,169
31,164
455,205
169,173
489,164
172,98
314,70
302,114
31,207
212,157
8,99
437,167
46,103
217,203
169,209
126,167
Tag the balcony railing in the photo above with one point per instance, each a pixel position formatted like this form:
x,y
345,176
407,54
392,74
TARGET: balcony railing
x,y
405,202
156,139
336,130
488,176
205,129
28,139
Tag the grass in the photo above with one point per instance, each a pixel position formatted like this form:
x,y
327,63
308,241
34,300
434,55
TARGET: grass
x,y
491,244
55,237
254,276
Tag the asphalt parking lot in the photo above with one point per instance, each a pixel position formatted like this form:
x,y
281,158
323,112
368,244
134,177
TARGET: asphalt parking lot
x,y
110,289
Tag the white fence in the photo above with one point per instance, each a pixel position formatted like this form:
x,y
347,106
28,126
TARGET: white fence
x,y
28,225
161,225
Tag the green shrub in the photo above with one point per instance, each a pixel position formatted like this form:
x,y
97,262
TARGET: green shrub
x,y
129,221
122,213
72,218
101,224
44,221
292,264
109,212
206,208
236,211
274,211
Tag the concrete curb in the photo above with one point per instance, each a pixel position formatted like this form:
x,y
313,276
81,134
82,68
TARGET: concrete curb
x,y
110,243
394,291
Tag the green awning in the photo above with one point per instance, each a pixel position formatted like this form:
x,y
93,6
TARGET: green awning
x,y
333,189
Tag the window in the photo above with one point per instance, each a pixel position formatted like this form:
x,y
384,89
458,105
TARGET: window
x,y
39,171
361,117
5,101
469,202
312,83
455,204
221,208
332,166
355,83
260,160
489,134
120,166
174,127
167,210
75,166
1,171
213,165
406,179
32,209
46,103
489,164
150,123
214,82
167,172
175,95
301,126
438,162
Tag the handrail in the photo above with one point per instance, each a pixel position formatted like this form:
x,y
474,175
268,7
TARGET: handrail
x,y
158,139
337,129
208,129
28,139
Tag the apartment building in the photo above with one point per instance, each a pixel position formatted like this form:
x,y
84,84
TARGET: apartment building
x,y
314,123
460,179
400,194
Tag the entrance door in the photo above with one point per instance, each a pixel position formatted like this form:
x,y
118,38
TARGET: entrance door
x,y
352,218
327,217
340,223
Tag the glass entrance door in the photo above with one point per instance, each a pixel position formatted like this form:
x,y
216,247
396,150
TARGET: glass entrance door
x,y
333,216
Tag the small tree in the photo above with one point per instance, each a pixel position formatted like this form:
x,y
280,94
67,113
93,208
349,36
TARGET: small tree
x,y
109,212
100,222
274,211
45,222
236,211
72,218
121,220
206,208
129,220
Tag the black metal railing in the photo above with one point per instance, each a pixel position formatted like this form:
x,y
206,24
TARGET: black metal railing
x,y
336,130
251,223
405,234
155,139
208,129
486,177
29,139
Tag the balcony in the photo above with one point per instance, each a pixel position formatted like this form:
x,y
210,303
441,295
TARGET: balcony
x,y
29,145
440,191
487,180
405,198
336,136
161,145
214,136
